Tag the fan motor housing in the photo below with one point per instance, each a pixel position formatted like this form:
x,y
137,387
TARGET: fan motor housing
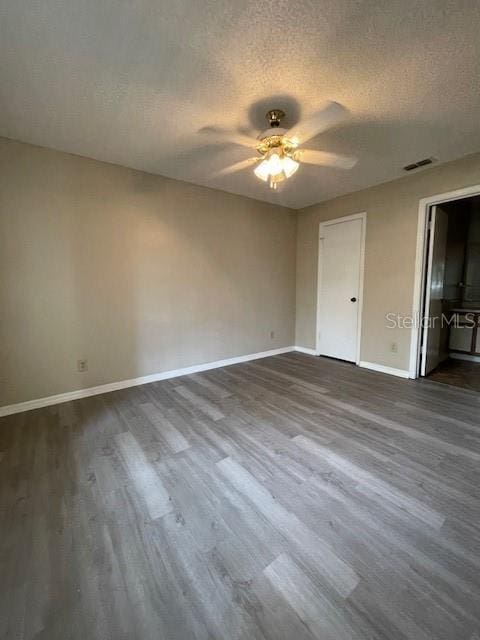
x,y
274,137
269,141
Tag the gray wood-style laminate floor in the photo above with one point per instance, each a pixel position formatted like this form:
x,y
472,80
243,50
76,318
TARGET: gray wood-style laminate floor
x,y
289,498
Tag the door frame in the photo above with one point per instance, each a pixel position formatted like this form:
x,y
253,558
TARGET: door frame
x,y
356,216
421,267
432,231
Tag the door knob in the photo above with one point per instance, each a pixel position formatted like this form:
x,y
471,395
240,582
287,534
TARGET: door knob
x,y
353,299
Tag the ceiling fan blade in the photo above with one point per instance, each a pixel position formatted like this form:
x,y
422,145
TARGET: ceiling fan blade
x,y
324,158
238,166
327,117
218,134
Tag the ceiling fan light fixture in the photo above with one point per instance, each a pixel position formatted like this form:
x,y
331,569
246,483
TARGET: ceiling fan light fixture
x,y
276,167
278,153
289,166
275,164
262,170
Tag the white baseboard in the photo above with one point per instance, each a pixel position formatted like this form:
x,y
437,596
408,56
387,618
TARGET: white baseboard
x,y
310,352
134,382
400,373
174,373
463,356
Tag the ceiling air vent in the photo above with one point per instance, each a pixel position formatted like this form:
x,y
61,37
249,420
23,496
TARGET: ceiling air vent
x,y
417,165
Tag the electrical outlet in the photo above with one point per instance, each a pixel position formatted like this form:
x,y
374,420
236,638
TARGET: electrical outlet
x,y
394,347
82,365
272,335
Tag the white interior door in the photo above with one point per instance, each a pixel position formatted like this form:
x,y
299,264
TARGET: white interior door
x,y
433,344
340,273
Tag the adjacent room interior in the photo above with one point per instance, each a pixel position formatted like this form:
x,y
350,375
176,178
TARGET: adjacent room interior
x,y
452,283
239,320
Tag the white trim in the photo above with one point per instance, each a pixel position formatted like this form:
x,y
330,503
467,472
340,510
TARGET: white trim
x,y
307,350
418,287
431,221
356,216
463,356
400,373
134,382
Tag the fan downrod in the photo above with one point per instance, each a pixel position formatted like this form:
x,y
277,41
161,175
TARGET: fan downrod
x,y
274,116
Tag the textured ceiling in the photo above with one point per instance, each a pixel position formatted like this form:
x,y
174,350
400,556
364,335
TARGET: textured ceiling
x,y
134,81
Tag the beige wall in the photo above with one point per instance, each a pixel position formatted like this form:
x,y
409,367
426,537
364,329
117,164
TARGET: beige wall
x,y
137,273
392,213
141,274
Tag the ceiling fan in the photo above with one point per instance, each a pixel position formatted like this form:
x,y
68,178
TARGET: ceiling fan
x,y
279,154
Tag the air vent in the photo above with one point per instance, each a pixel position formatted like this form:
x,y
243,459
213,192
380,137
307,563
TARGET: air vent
x,y
417,165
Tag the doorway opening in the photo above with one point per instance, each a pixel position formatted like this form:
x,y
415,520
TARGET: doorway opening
x,y
449,331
